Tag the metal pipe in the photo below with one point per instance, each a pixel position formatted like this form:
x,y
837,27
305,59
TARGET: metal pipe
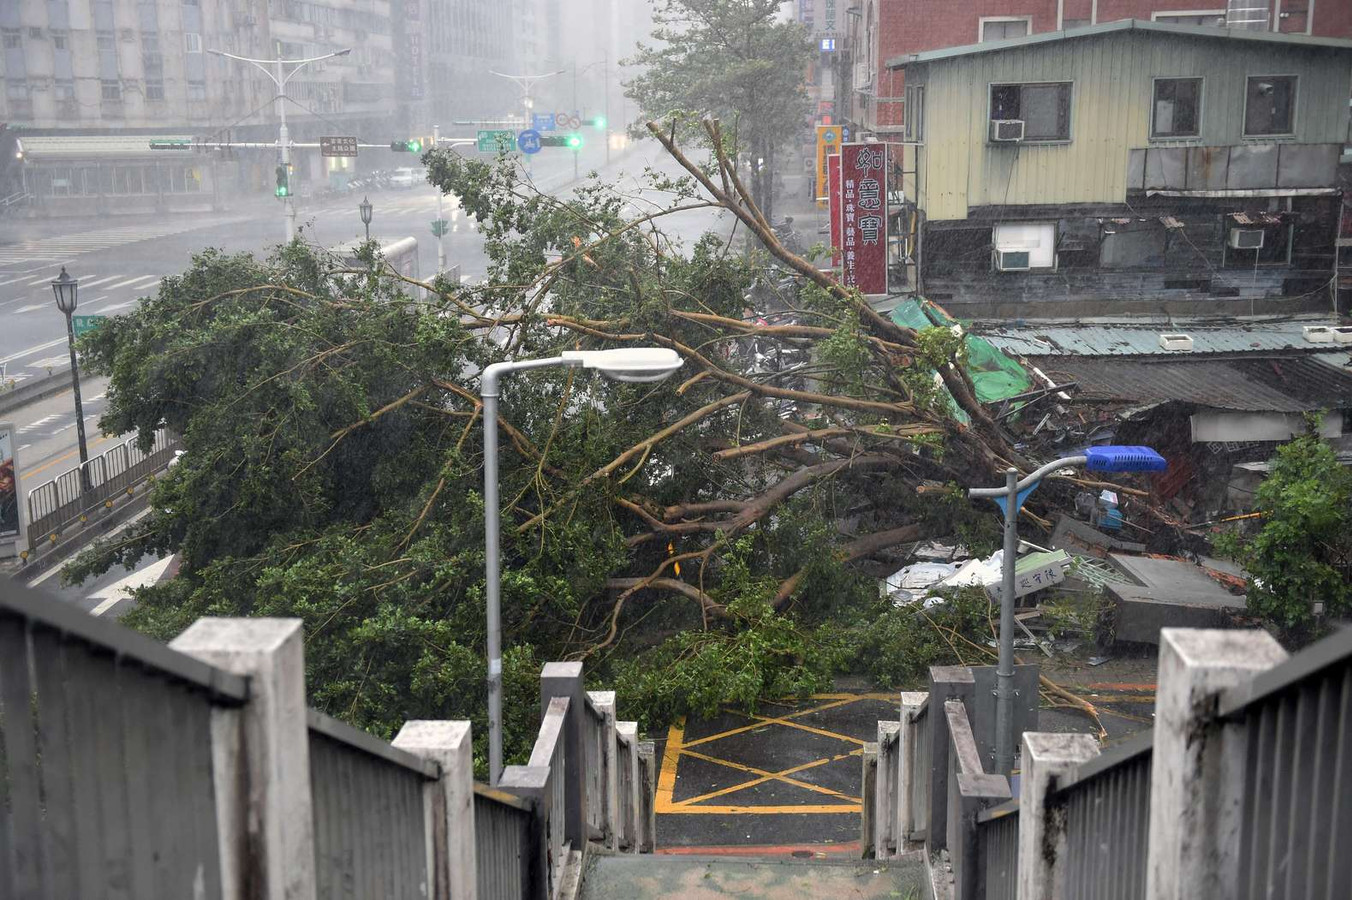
x,y
441,230
1004,670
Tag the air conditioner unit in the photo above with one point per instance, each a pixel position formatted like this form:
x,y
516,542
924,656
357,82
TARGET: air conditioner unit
x,y
1342,334
1006,130
1246,239
1176,342
1318,334
1012,260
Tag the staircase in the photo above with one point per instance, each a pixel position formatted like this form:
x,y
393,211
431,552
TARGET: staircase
x,y
752,878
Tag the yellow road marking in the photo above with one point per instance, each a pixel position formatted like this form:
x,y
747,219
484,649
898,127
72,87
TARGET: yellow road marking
x,y
764,810
671,756
762,721
27,473
765,776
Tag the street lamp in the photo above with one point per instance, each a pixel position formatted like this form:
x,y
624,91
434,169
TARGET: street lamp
x,y
1010,499
67,292
280,78
633,364
365,208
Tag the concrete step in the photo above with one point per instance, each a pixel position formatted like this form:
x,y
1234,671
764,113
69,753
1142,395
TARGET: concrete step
x,y
751,878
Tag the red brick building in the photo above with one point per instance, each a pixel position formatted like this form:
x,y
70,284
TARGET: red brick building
x,y
869,95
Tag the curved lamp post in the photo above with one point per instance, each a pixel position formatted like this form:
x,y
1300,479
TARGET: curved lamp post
x,y
67,292
365,209
634,364
1010,498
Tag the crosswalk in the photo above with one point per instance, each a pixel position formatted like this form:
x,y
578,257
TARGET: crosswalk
x,y
62,247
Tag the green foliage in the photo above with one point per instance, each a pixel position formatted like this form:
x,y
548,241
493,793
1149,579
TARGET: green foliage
x,y
1302,554
897,647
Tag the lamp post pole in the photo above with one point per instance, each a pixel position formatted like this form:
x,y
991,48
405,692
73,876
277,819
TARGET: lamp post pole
x,y
365,209
66,290
280,78
441,231
639,364
1011,497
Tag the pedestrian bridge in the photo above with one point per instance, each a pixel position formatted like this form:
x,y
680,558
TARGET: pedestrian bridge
x,y
132,769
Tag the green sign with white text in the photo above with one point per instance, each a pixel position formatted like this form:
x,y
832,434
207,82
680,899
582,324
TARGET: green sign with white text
x,y
83,324
496,141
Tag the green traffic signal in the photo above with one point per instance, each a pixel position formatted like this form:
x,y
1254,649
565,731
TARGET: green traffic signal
x,y
283,182
415,146
412,145
575,141
599,122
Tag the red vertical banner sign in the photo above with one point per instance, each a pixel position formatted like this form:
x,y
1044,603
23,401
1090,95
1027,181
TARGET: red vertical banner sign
x,y
833,195
863,189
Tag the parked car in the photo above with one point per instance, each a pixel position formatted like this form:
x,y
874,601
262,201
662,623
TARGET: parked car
x,y
407,178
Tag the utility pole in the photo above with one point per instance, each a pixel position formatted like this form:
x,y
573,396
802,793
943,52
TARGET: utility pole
x,y
441,231
279,78
605,69
577,112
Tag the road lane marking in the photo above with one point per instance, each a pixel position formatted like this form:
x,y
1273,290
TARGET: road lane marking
x,y
32,350
45,466
122,284
98,281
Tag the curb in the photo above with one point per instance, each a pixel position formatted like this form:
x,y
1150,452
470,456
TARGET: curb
x,y
31,390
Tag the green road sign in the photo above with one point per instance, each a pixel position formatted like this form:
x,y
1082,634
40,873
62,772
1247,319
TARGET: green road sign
x,y
440,227
496,141
83,324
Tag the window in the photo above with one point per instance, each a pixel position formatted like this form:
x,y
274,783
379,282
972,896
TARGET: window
x,y
1178,105
105,41
154,90
65,89
915,112
1205,17
112,90
35,34
197,90
12,38
1270,105
1043,108
60,40
1024,245
192,42
1000,29
16,89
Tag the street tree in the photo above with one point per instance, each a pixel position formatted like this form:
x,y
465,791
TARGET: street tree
x,y
735,60
719,525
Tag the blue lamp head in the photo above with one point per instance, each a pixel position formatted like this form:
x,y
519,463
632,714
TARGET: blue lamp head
x,y
1124,459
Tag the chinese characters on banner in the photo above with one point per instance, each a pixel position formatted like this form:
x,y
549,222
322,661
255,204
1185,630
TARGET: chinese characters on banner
x,y
833,191
9,488
413,61
863,233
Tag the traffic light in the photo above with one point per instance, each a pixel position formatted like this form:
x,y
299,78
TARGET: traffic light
x,y
283,182
599,122
574,142
412,145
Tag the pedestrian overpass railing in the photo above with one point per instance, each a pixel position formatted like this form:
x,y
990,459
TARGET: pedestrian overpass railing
x,y
67,499
1239,789
197,770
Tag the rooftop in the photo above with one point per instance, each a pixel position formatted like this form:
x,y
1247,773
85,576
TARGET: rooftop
x,y
1194,31
1141,336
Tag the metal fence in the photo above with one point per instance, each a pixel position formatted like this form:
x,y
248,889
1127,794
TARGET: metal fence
x,y
1296,818
106,767
998,837
55,504
369,813
505,844
1107,814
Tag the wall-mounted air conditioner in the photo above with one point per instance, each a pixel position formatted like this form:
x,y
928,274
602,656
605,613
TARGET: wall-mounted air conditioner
x,y
1006,130
1181,342
1013,260
1246,239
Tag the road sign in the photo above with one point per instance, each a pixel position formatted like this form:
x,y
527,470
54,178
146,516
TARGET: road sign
x,y
529,141
171,145
83,324
542,122
440,227
496,141
828,142
338,146
566,120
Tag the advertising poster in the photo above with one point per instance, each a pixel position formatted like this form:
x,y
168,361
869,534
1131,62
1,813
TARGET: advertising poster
x,y
863,189
9,485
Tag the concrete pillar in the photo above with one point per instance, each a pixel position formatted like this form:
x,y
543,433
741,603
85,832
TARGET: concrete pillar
x,y
946,683
564,679
911,701
532,784
627,818
266,784
1197,769
451,799
885,828
604,701
647,790
1042,826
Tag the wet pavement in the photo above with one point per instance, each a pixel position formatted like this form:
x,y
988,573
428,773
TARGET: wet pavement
x,y
704,878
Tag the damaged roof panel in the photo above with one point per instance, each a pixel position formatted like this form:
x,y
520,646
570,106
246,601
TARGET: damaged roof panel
x,y
1271,384
1089,338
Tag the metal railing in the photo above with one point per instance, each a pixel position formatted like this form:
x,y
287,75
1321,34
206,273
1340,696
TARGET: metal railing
x,y
1106,806
56,504
504,839
998,837
106,765
369,816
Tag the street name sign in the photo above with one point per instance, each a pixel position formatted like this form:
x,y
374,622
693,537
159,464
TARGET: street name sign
x,y
338,146
85,324
542,122
529,141
496,141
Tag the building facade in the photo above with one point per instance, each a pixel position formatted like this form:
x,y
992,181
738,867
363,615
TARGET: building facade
x,y
1128,162
871,96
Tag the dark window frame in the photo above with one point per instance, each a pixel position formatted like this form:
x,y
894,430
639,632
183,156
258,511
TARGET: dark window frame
x,y
1292,103
1065,116
1196,132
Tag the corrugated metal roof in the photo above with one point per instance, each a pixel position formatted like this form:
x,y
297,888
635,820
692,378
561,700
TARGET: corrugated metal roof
x,y
1198,31
94,146
1090,338
1262,384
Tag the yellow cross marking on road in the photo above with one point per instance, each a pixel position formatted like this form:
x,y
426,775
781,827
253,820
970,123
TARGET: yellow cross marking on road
x,y
677,747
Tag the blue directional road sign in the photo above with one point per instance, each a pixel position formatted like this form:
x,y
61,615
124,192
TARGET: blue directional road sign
x,y
542,122
528,141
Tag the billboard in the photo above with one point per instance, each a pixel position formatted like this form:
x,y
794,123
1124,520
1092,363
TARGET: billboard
x,y
828,142
863,189
9,485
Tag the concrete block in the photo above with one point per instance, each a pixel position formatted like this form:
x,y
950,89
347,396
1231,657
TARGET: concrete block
x,y
1042,838
604,702
907,776
451,799
1197,769
628,814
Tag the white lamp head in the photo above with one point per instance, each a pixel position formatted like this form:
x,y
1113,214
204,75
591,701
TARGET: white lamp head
x,y
637,364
